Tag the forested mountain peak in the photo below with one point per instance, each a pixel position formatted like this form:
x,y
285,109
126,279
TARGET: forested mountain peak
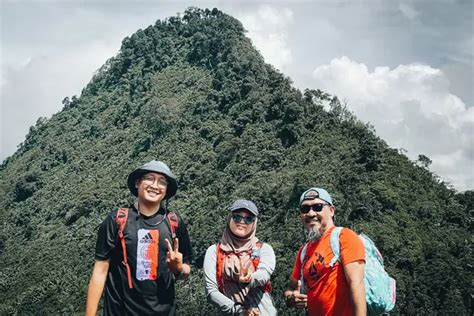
x,y
192,91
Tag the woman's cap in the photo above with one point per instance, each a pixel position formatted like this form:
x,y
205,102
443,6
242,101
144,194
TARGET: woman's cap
x,y
244,204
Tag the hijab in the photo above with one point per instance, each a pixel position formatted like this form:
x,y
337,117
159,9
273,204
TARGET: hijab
x,y
237,255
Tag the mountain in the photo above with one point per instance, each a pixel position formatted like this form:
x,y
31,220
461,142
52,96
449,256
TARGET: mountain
x,y
192,91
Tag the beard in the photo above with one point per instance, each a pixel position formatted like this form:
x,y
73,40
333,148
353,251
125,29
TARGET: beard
x,y
313,234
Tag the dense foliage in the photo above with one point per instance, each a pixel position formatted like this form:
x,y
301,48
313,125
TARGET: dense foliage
x,y
193,91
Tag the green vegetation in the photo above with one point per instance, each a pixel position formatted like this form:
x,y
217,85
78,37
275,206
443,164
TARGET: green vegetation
x,y
193,91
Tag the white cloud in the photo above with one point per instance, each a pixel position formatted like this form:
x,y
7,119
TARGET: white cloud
x,y
411,107
408,11
267,28
40,65
36,87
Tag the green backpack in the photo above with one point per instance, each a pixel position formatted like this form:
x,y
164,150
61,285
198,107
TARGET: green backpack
x,y
380,288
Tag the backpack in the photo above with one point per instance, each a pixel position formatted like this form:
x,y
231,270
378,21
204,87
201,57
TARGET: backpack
x,y
380,288
121,220
254,256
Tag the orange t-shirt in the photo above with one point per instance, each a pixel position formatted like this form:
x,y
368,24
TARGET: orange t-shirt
x,y
326,287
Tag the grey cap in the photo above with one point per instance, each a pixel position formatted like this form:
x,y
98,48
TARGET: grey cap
x,y
153,166
244,204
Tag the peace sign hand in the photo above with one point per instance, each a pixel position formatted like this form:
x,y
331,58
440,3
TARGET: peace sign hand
x,y
245,273
174,258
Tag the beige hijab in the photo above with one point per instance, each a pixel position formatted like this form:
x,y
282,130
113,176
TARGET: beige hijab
x,y
238,251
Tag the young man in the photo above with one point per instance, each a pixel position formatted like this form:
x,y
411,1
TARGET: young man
x,y
315,285
140,279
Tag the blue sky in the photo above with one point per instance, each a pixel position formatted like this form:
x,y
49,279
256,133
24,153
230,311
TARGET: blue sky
x,y
404,66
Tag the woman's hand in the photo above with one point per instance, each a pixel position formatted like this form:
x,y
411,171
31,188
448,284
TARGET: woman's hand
x,y
245,272
251,311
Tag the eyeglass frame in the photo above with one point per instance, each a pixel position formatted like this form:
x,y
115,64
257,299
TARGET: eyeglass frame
x,y
150,179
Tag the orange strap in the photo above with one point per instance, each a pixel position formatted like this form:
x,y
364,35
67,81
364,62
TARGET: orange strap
x,y
220,267
121,219
268,286
174,223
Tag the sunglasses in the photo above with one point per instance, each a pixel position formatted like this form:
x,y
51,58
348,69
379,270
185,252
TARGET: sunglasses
x,y
247,219
318,207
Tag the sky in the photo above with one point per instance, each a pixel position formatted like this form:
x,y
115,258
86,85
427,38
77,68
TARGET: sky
x,y
404,66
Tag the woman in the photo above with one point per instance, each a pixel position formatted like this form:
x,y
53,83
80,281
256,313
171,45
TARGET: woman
x,y
237,270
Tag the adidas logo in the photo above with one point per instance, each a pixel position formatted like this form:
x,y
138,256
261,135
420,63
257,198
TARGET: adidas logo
x,y
148,238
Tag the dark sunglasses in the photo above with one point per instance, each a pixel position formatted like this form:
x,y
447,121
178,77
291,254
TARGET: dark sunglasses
x,y
247,219
318,207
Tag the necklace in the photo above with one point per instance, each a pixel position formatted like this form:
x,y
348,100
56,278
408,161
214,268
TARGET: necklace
x,y
148,219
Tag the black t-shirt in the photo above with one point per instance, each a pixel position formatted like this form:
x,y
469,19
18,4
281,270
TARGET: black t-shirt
x,y
153,290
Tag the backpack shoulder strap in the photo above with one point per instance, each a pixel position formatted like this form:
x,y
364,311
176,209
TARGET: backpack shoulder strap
x,y
335,245
303,253
255,257
121,220
174,223
219,266
302,261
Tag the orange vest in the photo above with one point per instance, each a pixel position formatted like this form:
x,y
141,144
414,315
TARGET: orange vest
x,y
220,266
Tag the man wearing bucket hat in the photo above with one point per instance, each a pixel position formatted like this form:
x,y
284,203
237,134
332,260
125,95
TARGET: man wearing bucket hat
x,y
142,250
318,283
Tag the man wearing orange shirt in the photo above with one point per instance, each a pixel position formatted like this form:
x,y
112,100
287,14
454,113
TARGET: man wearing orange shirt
x,y
318,283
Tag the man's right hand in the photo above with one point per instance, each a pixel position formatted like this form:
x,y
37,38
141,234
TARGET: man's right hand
x,y
96,286
174,258
296,299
